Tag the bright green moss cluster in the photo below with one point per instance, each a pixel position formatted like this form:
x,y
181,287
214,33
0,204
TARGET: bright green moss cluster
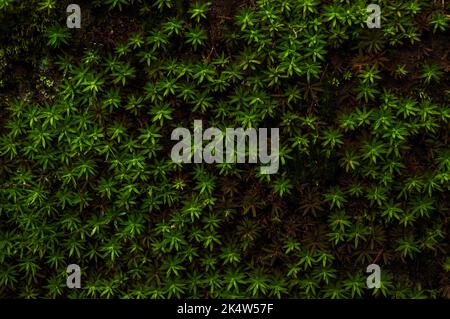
x,y
86,176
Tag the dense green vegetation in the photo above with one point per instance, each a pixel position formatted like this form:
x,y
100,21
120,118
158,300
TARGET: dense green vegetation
x,y
86,175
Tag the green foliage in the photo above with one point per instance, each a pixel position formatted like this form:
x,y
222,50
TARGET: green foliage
x,y
86,175
57,36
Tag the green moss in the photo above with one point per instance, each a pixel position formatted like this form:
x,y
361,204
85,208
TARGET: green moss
x,y
86,176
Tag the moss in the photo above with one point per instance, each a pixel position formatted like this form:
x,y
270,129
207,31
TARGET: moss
x,y
86,175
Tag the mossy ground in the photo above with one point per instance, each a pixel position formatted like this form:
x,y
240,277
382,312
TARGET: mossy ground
x,y
86,175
